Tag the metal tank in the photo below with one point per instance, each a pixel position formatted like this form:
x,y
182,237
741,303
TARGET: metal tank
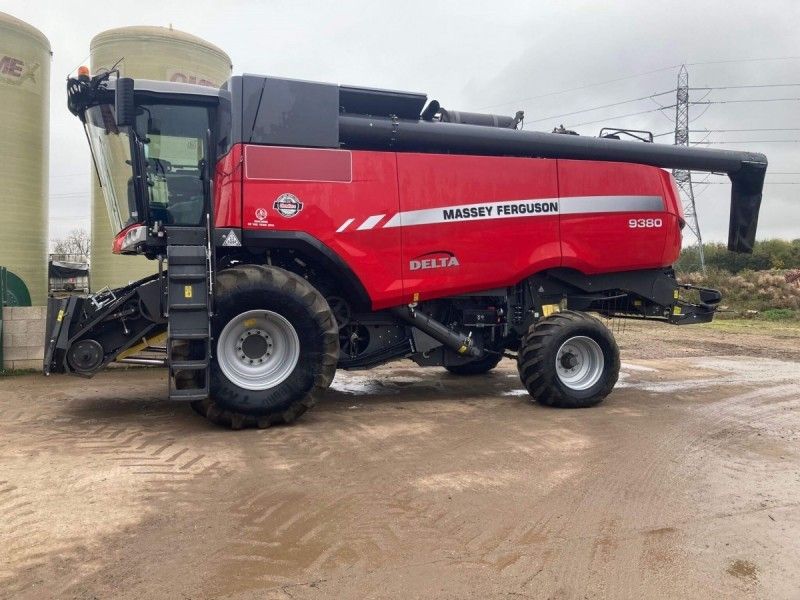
x,y
24,120
157,53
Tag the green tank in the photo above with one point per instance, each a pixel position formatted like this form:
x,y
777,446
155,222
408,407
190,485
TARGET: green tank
x,y
25,116
162,54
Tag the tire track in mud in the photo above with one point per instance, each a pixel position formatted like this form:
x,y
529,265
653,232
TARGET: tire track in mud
x,y
572,519
24,543
280,537
152,451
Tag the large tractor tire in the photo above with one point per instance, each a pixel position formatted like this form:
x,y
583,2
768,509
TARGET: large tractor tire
x,y
568,360
477,367
276,345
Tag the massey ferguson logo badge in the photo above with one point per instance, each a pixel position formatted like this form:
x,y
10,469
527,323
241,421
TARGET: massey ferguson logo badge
x,y
288,205
441,259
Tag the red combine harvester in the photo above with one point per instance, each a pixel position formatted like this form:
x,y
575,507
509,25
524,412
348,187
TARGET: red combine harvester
x,y
304,227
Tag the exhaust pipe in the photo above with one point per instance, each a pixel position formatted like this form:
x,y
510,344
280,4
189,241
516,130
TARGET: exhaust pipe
x,y
457,341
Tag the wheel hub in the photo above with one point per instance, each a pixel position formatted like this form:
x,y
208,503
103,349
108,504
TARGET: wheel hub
x,y
569,361
255,346
579,363
258,349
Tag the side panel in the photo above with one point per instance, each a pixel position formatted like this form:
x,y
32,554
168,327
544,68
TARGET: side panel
x,y
337,196
613,216
228,189
472,223
674,241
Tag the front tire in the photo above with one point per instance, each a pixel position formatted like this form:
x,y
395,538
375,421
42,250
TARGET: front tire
x,y
568,360
276,346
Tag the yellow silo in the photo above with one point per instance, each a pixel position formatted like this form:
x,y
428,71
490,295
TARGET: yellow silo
x,y
157,53
25,105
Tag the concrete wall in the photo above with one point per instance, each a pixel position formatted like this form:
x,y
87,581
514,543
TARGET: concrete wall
x,y
23,336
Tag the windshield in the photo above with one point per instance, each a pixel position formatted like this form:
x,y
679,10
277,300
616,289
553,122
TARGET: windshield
x,y
174,151
171,138
111,148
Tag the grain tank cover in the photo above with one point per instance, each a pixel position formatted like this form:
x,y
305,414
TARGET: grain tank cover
x,y
380,103
293,112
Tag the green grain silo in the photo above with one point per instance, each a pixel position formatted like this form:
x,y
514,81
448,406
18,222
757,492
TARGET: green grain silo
x,y
162,54
25,107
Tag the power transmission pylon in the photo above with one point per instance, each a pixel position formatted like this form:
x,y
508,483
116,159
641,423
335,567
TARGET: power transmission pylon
x,y
683,177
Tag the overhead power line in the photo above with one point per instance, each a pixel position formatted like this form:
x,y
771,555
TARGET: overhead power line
x,y
750,142
581,87
742,87
637,75
748,100
607,119
742,130
742,60
585,110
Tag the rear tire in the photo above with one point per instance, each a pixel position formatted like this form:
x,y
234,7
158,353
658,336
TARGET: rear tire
x,y
276,346
568,360
476,367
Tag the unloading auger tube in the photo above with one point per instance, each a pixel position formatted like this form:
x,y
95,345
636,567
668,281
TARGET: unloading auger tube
x,y
746,170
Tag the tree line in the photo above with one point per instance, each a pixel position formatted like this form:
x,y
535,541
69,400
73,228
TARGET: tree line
x,y
767,254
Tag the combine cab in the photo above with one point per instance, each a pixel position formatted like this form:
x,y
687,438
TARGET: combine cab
x,y
302,227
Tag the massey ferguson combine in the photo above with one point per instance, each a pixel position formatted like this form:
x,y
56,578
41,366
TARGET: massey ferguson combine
x,y
304,227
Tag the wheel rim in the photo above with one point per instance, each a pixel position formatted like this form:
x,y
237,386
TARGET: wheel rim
x,y
579,363
258,349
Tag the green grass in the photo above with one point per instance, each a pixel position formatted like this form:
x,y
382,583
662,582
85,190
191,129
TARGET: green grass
x,y
791,327
779,314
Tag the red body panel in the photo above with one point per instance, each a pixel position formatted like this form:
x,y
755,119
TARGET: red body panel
x,y
491,253
423,226
603,242
372,254
228,189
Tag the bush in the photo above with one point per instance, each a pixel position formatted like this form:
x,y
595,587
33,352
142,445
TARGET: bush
x,y
764,291
767,254
778,314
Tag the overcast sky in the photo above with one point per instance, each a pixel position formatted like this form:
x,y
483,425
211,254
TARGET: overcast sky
x,y
500,56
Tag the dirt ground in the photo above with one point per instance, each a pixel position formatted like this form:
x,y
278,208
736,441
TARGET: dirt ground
x,y
412,483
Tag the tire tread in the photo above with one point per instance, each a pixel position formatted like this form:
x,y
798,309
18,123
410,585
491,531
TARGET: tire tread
x,y
241,277
540,379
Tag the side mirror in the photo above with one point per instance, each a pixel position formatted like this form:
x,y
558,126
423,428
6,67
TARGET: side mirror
x,y
124,104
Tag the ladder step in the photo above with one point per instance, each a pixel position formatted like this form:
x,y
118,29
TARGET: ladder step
x,y
189,335
188,365
189,306
187,276
189,395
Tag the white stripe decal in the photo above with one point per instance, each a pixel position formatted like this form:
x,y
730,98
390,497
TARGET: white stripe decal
x,y
344,225
572,205
537,207
370,222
